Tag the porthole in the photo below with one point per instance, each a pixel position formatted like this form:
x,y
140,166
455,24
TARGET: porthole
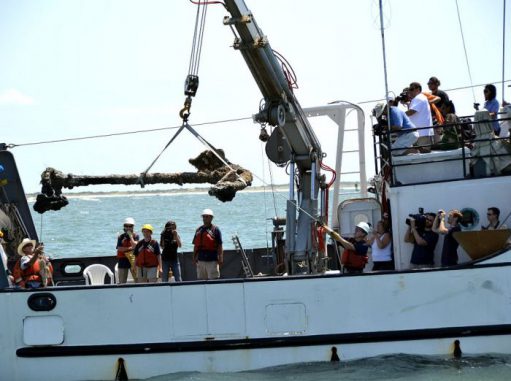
x,y
470,219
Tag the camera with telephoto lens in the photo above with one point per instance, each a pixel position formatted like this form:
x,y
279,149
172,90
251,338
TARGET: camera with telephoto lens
x,y
420,219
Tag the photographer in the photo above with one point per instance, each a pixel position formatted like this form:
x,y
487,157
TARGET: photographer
x,y
170,242
450,248
399,123
424,240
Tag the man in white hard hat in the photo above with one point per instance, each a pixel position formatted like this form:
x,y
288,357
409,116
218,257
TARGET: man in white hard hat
x,y
208,253
126,242
354,257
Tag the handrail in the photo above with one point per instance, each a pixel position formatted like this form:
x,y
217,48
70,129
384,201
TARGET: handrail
x,y
386,159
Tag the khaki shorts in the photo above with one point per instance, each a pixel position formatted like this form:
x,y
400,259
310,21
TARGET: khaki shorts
x,y
147,274
208,270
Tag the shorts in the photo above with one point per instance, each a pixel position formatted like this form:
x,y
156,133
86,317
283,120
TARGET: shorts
x,y
147,274
208,270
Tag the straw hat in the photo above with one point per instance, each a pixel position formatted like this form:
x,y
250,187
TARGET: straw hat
x,y
25,242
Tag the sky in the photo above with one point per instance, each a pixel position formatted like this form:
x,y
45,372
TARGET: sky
x,y
76,68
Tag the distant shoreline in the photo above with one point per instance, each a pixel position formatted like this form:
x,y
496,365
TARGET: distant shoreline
x,y
259,188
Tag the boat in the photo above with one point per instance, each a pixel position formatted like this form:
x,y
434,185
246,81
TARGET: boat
x,y
311,311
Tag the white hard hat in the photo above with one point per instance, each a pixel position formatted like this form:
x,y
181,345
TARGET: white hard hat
x,y
207,212
364,226
129,221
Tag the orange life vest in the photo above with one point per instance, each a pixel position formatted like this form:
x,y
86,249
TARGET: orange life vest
x,y
126,242
434,109
30,274
352,260
145,254
205,239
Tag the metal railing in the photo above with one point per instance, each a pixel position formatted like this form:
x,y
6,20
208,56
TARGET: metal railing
x,y
466,139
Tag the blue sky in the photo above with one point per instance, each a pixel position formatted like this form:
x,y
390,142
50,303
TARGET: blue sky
x,y
74,68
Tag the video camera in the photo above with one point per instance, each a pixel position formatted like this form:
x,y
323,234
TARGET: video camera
x,y
403,97
420,219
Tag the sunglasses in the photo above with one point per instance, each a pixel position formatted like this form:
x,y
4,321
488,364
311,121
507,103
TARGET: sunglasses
x,y
128,226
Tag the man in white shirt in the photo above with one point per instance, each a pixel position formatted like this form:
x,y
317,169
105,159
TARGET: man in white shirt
x,y
419,113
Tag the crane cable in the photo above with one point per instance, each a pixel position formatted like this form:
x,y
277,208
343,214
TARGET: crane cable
x,y
466,55
192,79
191,86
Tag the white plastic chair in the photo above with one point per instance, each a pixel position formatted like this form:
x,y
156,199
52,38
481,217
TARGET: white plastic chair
x,y
95,274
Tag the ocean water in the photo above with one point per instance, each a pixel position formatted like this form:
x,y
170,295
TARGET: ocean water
x,y
395,367
89,225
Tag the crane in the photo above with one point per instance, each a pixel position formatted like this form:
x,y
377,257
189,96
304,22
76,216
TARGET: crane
x,y
292,141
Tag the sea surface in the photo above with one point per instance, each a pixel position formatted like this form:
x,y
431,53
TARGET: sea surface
x,y
89,226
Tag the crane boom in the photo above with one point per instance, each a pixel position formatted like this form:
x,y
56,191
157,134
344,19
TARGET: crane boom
x,y
292,140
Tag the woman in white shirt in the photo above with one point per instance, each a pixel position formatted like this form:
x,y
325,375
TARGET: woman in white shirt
x,y
381,247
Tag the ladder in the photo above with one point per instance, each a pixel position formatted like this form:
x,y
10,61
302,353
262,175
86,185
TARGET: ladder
x,y
245,264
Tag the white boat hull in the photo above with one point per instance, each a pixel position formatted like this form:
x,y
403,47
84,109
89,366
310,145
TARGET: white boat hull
x,y
226,326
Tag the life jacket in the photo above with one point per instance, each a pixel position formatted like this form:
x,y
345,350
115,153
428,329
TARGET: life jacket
x,y
205,239
30,274
126,242
350,259
145,254
17,274
435,111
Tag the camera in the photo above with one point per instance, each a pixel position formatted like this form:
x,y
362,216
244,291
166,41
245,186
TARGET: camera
x,y
420,219
403,97
378,129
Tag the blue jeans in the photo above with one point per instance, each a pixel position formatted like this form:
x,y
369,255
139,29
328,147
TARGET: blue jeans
x,y
176,270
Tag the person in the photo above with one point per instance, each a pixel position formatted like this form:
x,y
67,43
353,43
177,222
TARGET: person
x,y
170,241
10,278
493,215
442,102
424,239
381,247
148,256
419,113
354,257
33,269
400,123
492,105
126,242
450,248
208,253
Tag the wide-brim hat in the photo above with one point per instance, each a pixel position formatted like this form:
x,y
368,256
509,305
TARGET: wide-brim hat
x,y
25,242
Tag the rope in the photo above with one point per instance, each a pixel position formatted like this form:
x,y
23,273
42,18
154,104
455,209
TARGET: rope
x,y
465,49
264,197
41,229
13,145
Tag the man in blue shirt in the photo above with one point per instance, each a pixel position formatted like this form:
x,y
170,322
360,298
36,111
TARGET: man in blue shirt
x,y
399,123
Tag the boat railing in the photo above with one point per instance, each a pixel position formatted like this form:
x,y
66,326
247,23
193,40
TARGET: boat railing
x,y
472,154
